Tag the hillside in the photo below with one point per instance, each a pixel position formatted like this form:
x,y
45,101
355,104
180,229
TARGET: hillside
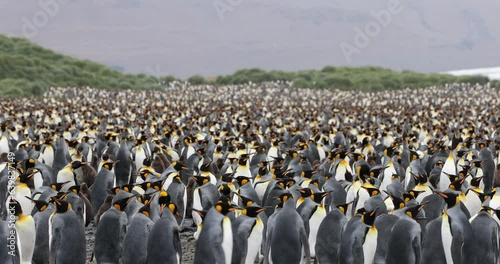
x,y
26,68
29,69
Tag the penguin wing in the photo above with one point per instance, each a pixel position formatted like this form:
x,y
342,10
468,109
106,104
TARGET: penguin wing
x,y
305,243
55,239
177,243
240,243
417,248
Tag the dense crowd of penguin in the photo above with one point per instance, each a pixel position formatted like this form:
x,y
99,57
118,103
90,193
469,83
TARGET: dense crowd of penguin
x,y
266,172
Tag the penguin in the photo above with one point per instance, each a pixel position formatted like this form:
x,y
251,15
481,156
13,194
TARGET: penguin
x,y
104,207
110,233
124,168
248,232
288,234
215,243
102,183
164,242
359,240
312,213
67,243
8,253
404,241
21,191
136,240
485,248
41,217
25,231
47,153
330,235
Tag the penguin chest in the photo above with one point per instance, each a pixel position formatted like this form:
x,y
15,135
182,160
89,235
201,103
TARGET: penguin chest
x,y
65,175
314,223
140,156
370,245
260,189
446,238
4,144
22,191
197,199
48,156
26,236
363,195
472,202
38,180
254,241
227,239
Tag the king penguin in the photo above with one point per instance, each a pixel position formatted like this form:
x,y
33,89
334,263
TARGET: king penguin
x,y
288,234
330,234
67,242
248,230
136,240
110,233
215,243
164,242
26,232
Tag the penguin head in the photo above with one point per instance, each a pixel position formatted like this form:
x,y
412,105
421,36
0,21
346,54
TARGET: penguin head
x,y
18,211
205,167
39,204
318,197
308,173
252,211
59,185
24,177
396,201
172,207
146,210
179,166
156,185
77,164
450,198
224,189
456,185
115,190
343,208
121,204
201,180
243,159
144,185
108,165
164,198
284,197
245,201
224,208
75,189
128,187
414,210
305,192
61,205
30,163
262,171
371,191
315,182
369,217
242,180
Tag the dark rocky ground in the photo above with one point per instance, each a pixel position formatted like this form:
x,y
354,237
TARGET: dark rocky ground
x,y
187,240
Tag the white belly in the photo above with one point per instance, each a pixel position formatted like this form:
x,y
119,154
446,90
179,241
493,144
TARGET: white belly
x,y
140,156
446,238
38,180
370,245
26,236
227,239
314,223
254,242
20,193
48,156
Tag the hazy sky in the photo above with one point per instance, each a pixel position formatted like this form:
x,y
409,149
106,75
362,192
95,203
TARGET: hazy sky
x,y
210,37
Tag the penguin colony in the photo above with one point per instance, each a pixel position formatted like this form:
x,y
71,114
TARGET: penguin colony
x,y
257,173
